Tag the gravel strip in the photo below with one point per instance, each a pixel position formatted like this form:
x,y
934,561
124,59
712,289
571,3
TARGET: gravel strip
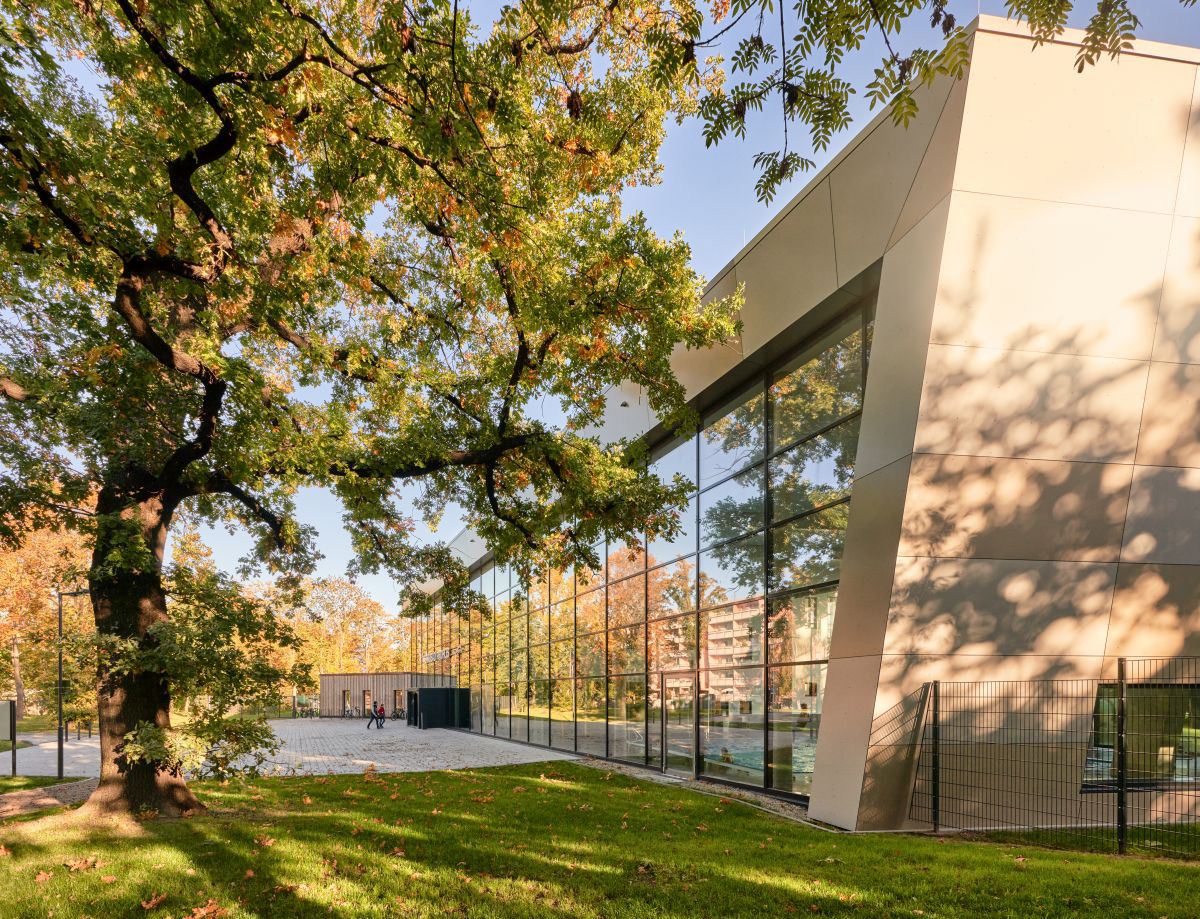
x,y
16,803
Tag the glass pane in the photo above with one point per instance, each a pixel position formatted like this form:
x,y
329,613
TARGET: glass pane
x,y
627,650
627,718
673,643
731,724
539,662
519,629
503,578
562,584
589,654
589,717
820,385
814,473
539,712
562,658
503,709
731,636
489,708
732,572
672,588
487,582
539,626
476,712
589,612
627,601
662,549
519,665
809,550
732,508
520,710
562,714
795,716
679,459
625,559
799,627
733,438
562,619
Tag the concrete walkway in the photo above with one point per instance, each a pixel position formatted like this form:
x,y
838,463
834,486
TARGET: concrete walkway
x,y
317,746
313,746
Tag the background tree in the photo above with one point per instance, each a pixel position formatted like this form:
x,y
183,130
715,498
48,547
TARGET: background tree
x,y
46,561
271,245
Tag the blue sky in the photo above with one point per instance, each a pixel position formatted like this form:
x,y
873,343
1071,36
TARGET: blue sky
x,y
708,195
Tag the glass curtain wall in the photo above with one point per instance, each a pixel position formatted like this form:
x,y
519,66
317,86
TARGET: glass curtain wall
x,y
734,612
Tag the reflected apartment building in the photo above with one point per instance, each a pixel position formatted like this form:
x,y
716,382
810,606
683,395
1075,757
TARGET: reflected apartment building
x,y
957,439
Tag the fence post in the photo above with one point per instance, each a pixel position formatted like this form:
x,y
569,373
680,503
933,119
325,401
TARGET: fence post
x,y
1122,776
936,764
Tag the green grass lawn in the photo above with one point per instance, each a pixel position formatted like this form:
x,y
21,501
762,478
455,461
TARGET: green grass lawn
x,y
22,782
553,840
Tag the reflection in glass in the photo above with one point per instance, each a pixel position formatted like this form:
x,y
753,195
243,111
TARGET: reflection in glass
x,y
627,601
814,473
733,438
672,588
539,662
587,578
562,658
562,619
625,559
673,643
677,459
589,654
819,386
589,612
562,714
518,628
800,626
731,572
809,549
627,649
520,710
589,715
662,550
503,708
731,724
732,508
731,636
539,625
627,717
539,712
795,717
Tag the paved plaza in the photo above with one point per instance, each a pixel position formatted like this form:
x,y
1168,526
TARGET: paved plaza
x,y
315,746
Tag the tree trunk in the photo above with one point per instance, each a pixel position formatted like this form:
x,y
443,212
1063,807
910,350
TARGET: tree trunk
x,y
125,604
18,683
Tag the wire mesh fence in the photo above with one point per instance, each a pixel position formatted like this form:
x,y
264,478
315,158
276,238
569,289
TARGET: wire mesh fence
x,y
1110,765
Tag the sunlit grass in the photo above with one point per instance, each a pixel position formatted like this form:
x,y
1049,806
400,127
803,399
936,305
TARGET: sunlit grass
x,y
541,840
22,782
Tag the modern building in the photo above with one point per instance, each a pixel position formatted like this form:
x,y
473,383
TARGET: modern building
x,y
958,440
355,693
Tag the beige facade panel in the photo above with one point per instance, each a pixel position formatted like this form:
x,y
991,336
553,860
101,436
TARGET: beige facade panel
x,y
340,691
1178,336
842,742
1030,275
903,311
1156,612
900,675
868,565
1170,433
1188,202
1164,505
989,507
980,608
1111,136
788,271
990,402
935,176
870,186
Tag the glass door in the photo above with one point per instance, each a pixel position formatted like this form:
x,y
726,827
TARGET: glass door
x,y
677,727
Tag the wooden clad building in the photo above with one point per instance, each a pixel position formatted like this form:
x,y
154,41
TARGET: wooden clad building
x,y
348,691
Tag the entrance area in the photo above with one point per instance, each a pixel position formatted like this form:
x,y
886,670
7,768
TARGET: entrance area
x,y
677,725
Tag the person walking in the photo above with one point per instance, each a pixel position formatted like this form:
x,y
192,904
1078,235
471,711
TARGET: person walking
x,y
371,720
380,715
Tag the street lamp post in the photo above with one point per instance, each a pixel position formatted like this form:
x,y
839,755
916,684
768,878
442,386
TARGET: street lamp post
x,y
61,594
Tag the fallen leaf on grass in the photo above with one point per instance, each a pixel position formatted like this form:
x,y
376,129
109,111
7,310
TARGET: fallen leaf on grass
x,y
109,879
44,876
210,910
265,841
5,851
82,864
249,873
153,901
